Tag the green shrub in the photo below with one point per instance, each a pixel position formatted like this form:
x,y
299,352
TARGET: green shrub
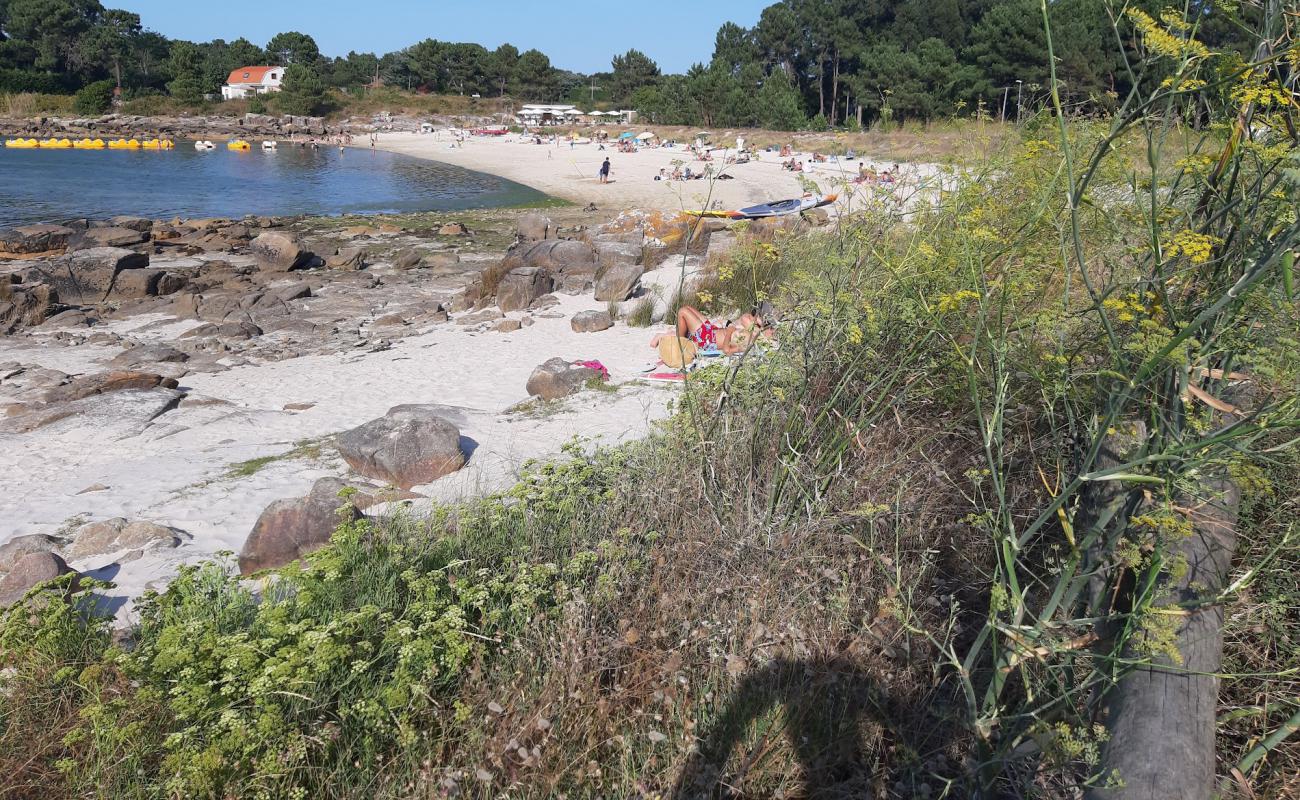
x,y
94,98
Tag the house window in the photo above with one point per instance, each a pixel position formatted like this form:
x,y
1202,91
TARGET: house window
x,y
273,76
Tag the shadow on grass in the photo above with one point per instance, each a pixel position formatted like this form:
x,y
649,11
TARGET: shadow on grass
x,y
827,706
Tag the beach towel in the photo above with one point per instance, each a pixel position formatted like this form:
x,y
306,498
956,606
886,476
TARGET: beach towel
x,y
676,351
596,365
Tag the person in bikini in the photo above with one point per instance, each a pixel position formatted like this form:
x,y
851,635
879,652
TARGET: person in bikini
x,y
734,337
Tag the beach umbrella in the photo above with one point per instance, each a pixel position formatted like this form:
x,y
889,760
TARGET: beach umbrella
x,y
646,135
627,135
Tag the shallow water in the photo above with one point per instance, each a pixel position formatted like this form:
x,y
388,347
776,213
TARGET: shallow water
x,y
47,185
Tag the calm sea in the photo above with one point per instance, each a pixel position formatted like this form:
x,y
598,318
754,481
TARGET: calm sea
x,y
46,185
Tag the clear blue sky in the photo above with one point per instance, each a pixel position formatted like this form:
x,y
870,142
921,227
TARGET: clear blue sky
x,y
581,35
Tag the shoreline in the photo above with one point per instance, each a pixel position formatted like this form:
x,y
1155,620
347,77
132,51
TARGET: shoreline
x,y
570,172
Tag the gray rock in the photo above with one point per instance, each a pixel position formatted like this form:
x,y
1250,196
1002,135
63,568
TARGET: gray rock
x,y
116,535
142,224
453,229
591,321
97,418
521,286
105,383
107,237
560,257
149,354
407,259
29,572
534,227
544,302
348,258
25,306
277,251
87,276
558,378
27,241
287,530
617,282
610,253
14,550
409,446
509,326
441,262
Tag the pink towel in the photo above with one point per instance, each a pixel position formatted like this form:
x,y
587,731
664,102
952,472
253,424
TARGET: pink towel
x,y
596,365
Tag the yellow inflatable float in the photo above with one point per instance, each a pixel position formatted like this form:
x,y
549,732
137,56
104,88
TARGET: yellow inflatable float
x,y
238,144
22,144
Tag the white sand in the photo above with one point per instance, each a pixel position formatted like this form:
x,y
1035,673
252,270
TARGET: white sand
x,y
571,172
175,471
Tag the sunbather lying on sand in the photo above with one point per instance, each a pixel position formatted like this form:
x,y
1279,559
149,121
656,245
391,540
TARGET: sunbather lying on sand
x,y
731,338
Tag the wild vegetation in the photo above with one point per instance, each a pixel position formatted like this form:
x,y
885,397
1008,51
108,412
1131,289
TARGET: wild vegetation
x,y
869,563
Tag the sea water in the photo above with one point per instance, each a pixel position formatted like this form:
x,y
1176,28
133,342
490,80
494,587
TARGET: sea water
x,y
51,185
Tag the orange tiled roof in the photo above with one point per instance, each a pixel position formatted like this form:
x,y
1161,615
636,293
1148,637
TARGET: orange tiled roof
x,y
250,75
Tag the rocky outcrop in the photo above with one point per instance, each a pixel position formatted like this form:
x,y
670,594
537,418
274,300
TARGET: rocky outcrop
x,y
558,378
106,383
591,322
409,446
347,258
278,251
453,229
117,535
290,529
107,237
148,354
25,305
16,549
29,572
34,241
521,286
617,282
534,227
116,415
87,276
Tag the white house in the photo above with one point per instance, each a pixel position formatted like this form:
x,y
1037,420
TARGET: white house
x,y
247,81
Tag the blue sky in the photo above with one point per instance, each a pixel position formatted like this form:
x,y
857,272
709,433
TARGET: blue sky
x,y
581,35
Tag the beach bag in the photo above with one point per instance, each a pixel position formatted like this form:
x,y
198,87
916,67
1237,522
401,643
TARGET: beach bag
x,y
677,352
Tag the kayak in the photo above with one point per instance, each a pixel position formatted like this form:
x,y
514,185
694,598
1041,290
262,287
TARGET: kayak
x,y
779,208
782,208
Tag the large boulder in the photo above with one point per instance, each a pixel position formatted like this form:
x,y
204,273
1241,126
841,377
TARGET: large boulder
x,y
116,535
25,305
87,276
409,446
617,282
29,572
34,241
16,549
609,254
277,251
107,237
591,322
535,227
105,383
521,286
347,259
290,529
558,378
148,354
98,417
139,283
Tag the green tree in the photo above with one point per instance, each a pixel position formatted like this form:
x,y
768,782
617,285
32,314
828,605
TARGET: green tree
x,y
734,47
632,70
41,34
780,107
186,66
293,47
501,67
535,76
302,92
109,44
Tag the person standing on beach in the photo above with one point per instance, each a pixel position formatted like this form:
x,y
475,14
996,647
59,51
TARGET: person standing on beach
x,y
604,172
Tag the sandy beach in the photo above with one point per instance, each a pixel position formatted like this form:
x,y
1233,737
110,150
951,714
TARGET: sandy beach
x,y
571,172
